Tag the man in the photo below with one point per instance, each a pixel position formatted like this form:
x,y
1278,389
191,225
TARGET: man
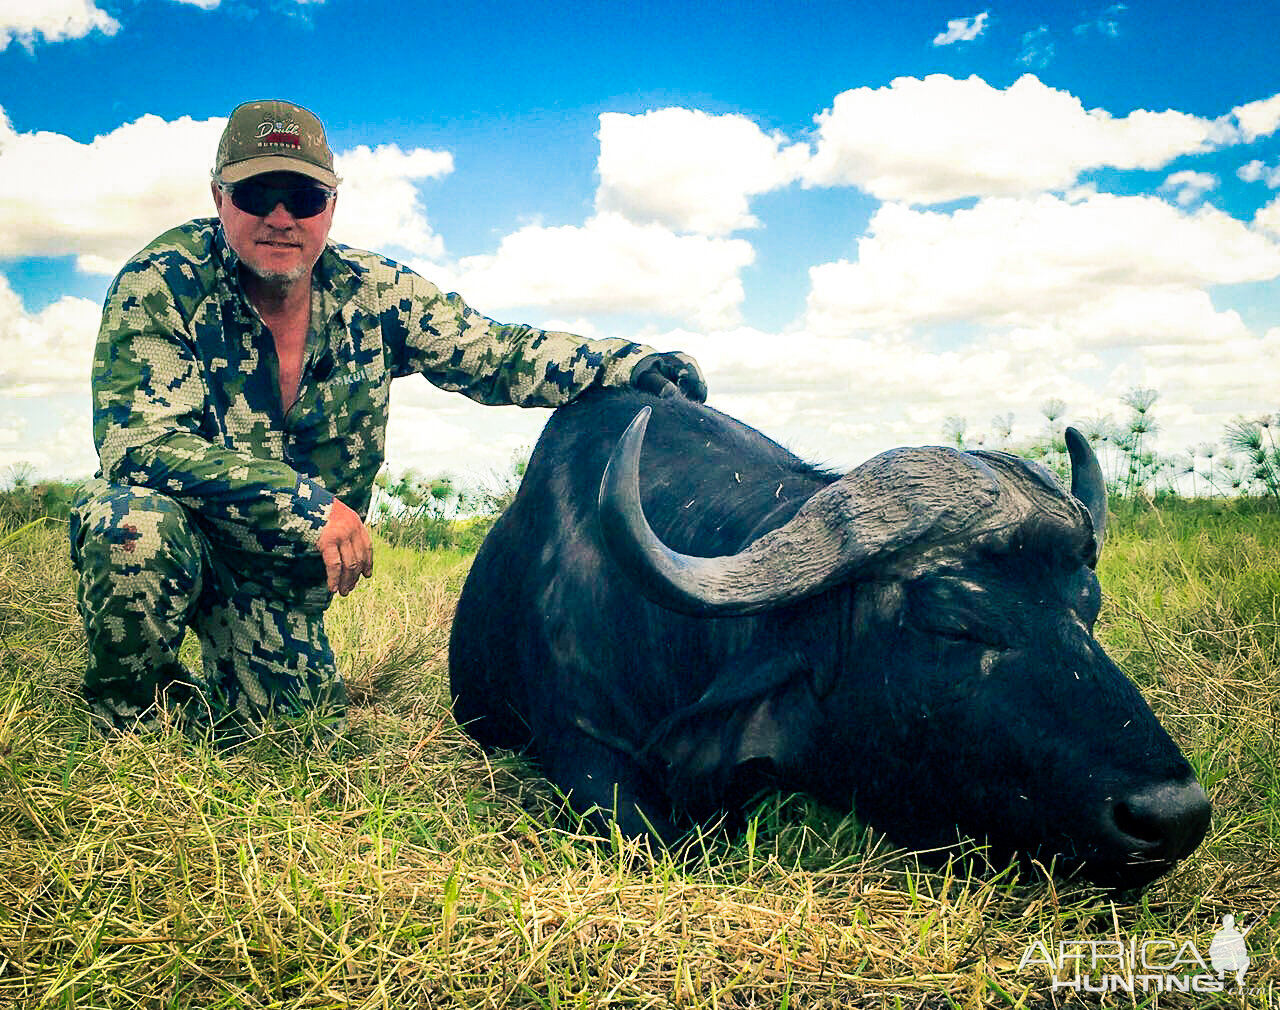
x,y
240,392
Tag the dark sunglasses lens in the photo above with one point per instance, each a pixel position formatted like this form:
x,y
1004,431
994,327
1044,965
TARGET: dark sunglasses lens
x,y
305,201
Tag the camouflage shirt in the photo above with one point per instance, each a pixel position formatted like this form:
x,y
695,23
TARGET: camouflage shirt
x,y
186,383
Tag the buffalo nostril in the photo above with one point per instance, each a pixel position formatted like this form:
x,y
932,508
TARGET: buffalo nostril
x,y
1166,820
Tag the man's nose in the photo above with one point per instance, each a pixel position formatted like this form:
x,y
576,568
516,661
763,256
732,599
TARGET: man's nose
x,y
279,216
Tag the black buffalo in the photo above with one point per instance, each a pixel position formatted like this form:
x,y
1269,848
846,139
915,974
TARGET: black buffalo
x,y
668,628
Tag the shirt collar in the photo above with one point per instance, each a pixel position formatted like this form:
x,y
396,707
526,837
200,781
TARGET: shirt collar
x,y
332,278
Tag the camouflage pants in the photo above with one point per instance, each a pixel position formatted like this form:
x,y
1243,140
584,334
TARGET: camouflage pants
x,y
147,572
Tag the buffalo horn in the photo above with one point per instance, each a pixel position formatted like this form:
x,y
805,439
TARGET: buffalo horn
x,y
1088,485
901,498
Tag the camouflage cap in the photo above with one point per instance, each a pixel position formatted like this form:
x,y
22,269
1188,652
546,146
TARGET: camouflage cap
x,y
273,136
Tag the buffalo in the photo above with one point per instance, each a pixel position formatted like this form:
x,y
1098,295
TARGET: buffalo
x,y
676,611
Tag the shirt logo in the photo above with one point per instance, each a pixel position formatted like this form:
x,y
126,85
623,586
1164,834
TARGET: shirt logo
x,y
279,134
349,378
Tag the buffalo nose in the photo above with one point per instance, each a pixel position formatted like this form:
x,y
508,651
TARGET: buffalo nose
x,y
1165,821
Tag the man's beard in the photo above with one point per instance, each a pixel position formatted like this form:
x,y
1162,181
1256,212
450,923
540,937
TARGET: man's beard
x,y
278,278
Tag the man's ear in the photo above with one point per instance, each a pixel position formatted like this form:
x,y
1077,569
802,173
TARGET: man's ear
x,y
216,190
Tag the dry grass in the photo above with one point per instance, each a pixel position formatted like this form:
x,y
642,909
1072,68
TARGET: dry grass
x,y
402,867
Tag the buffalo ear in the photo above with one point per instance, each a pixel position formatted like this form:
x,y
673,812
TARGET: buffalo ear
x,y
1088,486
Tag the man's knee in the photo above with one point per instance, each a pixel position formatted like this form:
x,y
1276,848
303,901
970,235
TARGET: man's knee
x,y
126,538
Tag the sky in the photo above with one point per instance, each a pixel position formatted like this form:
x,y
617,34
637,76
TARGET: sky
x,y
862,219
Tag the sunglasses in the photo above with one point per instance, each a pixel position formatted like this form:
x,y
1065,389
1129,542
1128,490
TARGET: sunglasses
x,y
260,200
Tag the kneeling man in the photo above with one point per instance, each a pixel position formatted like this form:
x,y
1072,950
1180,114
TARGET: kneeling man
x,y
240,392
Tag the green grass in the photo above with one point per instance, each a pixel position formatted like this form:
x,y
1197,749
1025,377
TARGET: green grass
x,y
403,867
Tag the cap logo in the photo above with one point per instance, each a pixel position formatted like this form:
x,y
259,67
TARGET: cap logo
x,y
282,134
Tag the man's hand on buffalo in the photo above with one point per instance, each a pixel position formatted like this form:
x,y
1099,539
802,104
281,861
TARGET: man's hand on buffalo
x,y
347,551
668,373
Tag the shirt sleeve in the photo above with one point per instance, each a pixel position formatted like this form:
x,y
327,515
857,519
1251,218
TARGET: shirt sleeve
x,y
149,396
460,350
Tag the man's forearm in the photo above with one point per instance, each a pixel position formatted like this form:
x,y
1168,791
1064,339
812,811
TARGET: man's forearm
x,y
256,505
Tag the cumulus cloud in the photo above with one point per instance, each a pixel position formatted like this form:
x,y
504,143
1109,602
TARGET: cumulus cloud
x,y
1106,270
379,206
23,22
1257,171
435,432
839,402
47,352
940,139
58,445
1258,119
1268,218
962,30
610,265
1216,382
989,309
689,170
1188,187
104,200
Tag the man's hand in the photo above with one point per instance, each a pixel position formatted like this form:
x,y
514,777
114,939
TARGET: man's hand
x,y
346,549
668,373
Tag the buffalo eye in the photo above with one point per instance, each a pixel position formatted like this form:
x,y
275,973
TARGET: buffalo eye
x,y
968,636
961,626
956,610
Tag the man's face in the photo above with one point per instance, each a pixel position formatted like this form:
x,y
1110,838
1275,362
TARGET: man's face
x,y
278,247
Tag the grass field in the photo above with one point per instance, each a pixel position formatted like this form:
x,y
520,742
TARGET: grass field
x,y
403,867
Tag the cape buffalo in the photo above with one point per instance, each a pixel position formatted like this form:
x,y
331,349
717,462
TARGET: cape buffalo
x,y
662,625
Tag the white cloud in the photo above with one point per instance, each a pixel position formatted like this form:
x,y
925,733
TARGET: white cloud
x,y
610,265
995,308
962,30
435,432
1107,23
56,444
1268,218
1037,48
1219,380
940,139
838,403
1189,186
23,21
689,170
209,5
1258,119
105,200
1106,270
378,203
1257,171
47,352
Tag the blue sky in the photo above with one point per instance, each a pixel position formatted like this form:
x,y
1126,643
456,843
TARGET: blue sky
x,y
861,223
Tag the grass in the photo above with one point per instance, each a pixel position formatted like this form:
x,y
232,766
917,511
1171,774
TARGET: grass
x,y
403,867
